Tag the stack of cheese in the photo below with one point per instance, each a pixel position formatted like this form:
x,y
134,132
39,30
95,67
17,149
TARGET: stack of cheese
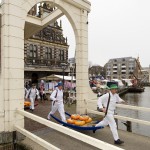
x,y
27,104
78,120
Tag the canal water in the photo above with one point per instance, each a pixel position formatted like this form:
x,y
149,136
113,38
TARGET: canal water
x,y
141,100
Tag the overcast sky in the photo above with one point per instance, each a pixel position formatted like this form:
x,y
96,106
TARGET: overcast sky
x,y
117,28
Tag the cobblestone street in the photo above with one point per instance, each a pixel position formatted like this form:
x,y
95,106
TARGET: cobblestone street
x,y
42,110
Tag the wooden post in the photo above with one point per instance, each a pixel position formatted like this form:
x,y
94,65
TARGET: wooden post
x,y
129,126
116,120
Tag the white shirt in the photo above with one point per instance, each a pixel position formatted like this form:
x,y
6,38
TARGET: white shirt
x,y
59,96
114,98
32,93
25,92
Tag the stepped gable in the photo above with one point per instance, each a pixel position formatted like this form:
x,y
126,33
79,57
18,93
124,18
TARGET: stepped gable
x,y
51,34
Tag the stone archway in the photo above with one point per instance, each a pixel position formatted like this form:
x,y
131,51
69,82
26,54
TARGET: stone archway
x,y
78,19
14,15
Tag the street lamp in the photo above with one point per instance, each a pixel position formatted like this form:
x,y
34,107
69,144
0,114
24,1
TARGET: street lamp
x,y
102,73
64,66
72,67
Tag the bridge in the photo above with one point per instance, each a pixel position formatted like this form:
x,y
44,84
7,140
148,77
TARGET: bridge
x,y
17,24
62,138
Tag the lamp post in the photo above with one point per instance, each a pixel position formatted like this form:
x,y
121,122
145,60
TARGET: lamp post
x,y
64,66
72,67
102,73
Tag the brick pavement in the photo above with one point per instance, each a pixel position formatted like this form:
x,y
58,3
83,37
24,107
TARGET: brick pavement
x,y
64,142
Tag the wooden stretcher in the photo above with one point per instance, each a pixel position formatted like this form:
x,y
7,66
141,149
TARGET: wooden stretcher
x,y
88,126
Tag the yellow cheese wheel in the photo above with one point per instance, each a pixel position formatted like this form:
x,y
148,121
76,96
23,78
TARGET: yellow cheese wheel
x,y
75,116
71,121
79,122
84,117
89,120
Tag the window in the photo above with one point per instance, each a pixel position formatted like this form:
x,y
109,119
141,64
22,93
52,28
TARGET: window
x,y
48,53
61,54
114,64
123,68
114,72
115,69
108,73
131,59
123,72
33,51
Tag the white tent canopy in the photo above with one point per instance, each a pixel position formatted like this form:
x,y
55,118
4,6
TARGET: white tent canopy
x,y
120,84
58,77
128,81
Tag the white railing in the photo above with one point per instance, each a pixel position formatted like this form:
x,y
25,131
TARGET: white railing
x,y
122,117
77,135
133,107
124,106
35,138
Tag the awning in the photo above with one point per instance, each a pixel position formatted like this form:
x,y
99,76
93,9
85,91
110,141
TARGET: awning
x,y
58,77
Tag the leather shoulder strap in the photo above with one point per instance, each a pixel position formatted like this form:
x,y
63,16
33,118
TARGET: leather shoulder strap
x,y
107,105
56,93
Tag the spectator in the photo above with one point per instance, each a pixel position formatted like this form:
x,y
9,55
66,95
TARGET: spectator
x,y
42,91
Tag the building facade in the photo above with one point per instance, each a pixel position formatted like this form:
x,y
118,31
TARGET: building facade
x,y
122,68
45,51
146,75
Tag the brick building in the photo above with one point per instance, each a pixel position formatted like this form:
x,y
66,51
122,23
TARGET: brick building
x,y
122,68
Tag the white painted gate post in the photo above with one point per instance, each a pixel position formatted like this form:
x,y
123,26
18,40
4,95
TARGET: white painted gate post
x,y
82,62
12,74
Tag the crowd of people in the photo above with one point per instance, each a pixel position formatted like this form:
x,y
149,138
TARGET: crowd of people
x,y
50,85
106,103
39,91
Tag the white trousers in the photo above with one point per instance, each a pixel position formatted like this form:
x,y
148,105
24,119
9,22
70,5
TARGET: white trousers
x,y
109,120
60,107
32,102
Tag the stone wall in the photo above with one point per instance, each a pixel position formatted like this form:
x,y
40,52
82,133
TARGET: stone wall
x,y
14,15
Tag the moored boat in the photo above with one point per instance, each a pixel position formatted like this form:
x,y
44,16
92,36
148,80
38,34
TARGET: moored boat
x,y
136,89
